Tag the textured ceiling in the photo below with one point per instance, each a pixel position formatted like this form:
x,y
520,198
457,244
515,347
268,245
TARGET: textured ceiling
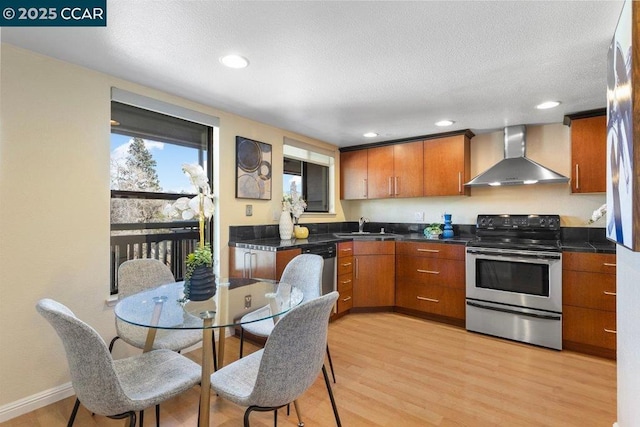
x,y
334,70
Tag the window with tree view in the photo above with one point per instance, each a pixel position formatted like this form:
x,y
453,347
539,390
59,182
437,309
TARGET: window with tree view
x,y
310,170
148,150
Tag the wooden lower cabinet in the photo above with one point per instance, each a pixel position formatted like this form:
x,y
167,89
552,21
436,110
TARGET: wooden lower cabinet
x,y
374,274
430,278
589,303
251,263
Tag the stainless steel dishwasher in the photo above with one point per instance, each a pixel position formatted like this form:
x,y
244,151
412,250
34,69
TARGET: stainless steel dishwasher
x,y
328,252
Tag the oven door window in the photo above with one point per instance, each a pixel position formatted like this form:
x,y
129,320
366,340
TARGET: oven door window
x,y
510,276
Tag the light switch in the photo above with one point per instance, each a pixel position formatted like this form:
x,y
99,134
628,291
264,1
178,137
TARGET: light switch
x,y
248,210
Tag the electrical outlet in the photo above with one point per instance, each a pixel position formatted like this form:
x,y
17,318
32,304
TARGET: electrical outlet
x,y
248,210
247,301
418,216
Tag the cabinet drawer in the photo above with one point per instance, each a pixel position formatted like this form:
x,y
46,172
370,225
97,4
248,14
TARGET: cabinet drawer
x,y
431,299
431,250
345,300
345,249
345,265
345,283
597,263
431,271
587,326
374,247
589,290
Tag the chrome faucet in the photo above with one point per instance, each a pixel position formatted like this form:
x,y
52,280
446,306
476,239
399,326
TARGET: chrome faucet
x,y
361,223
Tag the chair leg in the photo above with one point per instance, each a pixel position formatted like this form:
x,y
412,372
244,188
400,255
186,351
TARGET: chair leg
x,y
241,340
331,365
131,415
72,418
333,402
157,416
142,418
246,415
275,418
113,341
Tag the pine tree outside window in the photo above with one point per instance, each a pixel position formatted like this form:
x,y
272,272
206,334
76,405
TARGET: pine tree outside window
x,y
147,152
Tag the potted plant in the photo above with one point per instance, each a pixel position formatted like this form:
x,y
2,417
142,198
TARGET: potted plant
x,y
433,231
199,280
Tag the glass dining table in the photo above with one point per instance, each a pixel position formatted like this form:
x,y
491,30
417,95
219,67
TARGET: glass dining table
x,y
163,307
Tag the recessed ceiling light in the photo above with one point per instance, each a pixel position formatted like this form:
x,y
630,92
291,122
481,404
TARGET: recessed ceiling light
x,y
370,135
445,123
234,61
547,105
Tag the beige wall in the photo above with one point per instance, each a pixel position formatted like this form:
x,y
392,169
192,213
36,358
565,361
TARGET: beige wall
x,y
54,206
549,145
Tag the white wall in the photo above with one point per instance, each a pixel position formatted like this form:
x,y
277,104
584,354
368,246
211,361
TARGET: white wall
x,y
628,327
549,145
54,207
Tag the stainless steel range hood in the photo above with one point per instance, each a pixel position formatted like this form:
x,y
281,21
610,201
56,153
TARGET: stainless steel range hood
x,y
515,168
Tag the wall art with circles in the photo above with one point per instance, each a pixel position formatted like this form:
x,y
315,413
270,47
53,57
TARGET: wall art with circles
x,y
253,169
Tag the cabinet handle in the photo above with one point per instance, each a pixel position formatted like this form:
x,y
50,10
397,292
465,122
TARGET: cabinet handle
x,y
344,282
345,250
460,182
609,264
245,273
427,299
346,264
435,251
577,177
346,299
357,268
390,189
613,294
395,186
364,188
610,331
251,264
428,271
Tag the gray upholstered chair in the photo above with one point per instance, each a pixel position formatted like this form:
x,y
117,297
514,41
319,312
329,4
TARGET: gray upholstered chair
x,y
290,362
135,276
116,388
304,272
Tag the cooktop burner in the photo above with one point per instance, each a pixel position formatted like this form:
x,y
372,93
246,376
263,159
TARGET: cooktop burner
x,y
522,232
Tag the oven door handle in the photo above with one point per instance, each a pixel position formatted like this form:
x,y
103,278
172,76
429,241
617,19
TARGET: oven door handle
x,y
510,311
514,255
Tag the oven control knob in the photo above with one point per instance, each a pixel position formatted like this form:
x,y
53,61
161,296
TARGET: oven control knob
x,y
542,222
490,221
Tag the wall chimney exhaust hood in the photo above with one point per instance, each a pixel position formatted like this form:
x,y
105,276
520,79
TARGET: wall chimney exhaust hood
x,y
515,168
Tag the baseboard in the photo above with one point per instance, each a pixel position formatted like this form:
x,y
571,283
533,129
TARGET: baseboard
x,y
35,401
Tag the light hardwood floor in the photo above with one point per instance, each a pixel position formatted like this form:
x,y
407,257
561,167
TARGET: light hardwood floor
x,y
396,370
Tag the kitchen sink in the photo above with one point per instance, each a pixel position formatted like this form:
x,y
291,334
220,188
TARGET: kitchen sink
x,y
365,234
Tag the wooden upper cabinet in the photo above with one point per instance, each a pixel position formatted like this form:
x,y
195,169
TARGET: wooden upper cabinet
x,y
380,172
447,166
588,154
408,166
353,175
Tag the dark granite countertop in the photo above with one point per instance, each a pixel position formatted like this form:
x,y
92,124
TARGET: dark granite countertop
x,y
574,239
584,246
275,244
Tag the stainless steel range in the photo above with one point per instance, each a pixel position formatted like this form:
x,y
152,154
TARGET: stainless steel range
x,y
514,279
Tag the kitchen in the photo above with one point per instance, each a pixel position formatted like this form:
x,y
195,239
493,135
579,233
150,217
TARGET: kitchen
x,y
34,87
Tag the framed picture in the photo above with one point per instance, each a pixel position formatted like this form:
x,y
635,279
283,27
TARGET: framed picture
x,y
623,131
253,169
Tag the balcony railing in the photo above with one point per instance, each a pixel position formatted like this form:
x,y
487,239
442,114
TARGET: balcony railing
x,y
167,242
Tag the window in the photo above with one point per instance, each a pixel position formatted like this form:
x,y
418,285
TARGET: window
x,y
311,170
149,144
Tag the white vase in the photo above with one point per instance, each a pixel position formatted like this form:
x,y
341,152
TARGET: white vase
x,y
285,226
